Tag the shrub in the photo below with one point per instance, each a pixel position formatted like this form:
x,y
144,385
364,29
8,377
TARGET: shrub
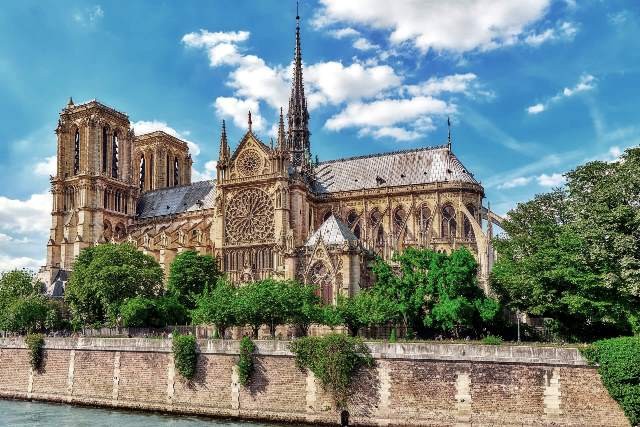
x,y
492,340
334,359
185,355
619,368
35,343
245,362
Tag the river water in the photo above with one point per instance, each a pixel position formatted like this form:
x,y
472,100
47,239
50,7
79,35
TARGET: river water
x,y
19,413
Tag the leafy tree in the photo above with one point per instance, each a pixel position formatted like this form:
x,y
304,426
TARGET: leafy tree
x,y
302,305
330,316
190,274
366,308
347,312
574,254
16,284
104,276
23,307
217,306
152,312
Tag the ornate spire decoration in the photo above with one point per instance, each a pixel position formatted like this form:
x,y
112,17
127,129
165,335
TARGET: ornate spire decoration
x,y
250,122
223,157
70,103
449,137
298,115
282,136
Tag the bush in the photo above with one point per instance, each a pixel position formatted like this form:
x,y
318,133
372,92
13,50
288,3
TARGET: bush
x,y
35,343
245,362
492,340
334,359
185,355
152,312
619,368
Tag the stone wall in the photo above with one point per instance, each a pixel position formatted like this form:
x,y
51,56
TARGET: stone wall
x,y
411,384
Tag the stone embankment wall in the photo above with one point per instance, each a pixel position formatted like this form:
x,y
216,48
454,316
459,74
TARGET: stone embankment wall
x,y
411,384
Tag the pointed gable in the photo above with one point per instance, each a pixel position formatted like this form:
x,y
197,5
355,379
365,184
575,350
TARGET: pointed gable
x,y
332,232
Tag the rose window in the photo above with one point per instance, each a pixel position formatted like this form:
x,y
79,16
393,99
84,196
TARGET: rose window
x,y
249,162
249,217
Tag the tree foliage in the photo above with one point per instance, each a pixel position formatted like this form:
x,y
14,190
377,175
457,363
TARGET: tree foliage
x,y
23,306
217,306
185,354
35,344
152,312
245,360
190,274
104,276
574,254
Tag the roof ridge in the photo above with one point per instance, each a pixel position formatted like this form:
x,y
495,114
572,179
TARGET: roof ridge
x,y
388,153
158,190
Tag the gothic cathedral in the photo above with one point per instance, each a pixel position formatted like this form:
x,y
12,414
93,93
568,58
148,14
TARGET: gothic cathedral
x,y
271,212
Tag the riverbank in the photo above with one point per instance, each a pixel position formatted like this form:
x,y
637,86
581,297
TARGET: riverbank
x,y
411,384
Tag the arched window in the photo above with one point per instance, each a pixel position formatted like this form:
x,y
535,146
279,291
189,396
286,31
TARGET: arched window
x,y
114,155
151,172
167,169
143,172
320,276
375,217
467,226
354,223
105,148
76,152
176,172
380,236
399,218
424,218
449,225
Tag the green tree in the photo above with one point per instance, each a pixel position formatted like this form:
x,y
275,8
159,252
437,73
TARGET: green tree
x,y
217,306
190,274
574,254
152,312
23,307
104,276
302,305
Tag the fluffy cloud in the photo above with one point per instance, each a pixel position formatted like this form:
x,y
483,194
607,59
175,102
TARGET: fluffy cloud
x,y
26,216
143,126
586,82
394,132
344,32
363,44
47,166
515,182
563,31
238,110
455,83
387,112
460,26
208,173
8,262
553,180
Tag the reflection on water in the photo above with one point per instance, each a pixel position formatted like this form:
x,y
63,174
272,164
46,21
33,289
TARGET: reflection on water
x,y
18,413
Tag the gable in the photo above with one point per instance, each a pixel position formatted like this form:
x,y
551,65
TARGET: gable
x,y
250,158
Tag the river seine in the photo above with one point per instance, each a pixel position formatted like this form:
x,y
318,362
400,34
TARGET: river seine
x,y
18,413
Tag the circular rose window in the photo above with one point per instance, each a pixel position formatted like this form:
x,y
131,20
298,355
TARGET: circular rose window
x,y
249,217
249,162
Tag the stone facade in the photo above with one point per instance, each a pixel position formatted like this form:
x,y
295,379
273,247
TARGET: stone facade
x,y
270,212
410,384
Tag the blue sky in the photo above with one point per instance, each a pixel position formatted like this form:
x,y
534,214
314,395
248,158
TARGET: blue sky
x,y
533,87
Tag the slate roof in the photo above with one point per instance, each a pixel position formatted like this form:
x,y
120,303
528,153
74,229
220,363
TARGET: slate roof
x,y
418,166
332,232
174,200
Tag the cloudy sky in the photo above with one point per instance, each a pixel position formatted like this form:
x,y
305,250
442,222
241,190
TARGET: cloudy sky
x,y
533,87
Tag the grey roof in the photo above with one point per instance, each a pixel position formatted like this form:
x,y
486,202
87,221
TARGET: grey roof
x,y
418,166
332,232
173,200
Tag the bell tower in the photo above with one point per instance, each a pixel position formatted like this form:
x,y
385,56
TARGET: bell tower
x,y
94,191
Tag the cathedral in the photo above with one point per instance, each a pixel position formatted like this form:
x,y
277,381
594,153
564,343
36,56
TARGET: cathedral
x,y
271,211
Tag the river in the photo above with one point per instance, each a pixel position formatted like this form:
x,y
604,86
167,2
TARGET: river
x,y
17,413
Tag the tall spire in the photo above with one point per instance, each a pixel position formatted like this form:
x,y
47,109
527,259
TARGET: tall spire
x,y
298,115
224,155
282,136
250,122
449,136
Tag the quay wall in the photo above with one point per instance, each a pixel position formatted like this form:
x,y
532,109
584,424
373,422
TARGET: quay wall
x,y
410,384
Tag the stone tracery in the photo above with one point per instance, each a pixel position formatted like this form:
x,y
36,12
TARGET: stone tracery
x,y
249,217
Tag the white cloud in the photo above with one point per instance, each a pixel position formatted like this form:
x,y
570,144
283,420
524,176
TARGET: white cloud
x,y
344,32
459,26
8,262
89,16
47,166
394,132
238,110
535,109
147,126
363,44
455,83
553,180
586,83
563,31
5,237
208,173
387,112
26,216
538,39
515,182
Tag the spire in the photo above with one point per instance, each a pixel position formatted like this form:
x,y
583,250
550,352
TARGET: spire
x,y
298,115
449,137
282,136
70,103
223,157
250,122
